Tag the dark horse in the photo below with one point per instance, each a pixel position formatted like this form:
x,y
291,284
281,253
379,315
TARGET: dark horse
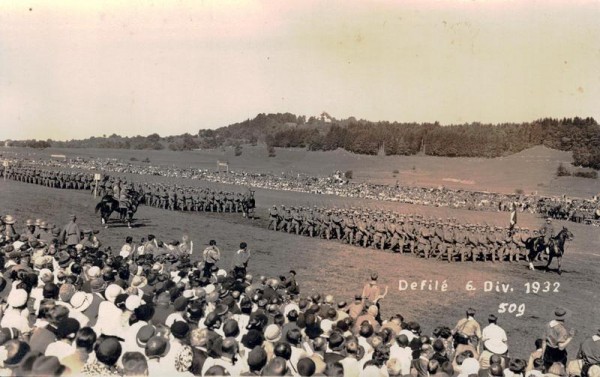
x,y
109,204
556,248
248,204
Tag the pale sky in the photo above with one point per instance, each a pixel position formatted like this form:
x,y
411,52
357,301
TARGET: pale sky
x,y
73,69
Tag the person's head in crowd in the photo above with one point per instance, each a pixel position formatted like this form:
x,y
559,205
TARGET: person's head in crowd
x,y
85,339
402,340
306,367
216,370
135,364
257,359
335,369
276,367
108,351
283,350
470,312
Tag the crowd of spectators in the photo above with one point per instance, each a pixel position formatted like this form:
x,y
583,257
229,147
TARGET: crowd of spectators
x,y
73,306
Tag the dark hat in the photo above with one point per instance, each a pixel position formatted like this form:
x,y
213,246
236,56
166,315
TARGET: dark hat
x,y
15,352
211,319
283,349
98,285
8,333
108,350
257,358
306,367
144,334
195,312
562,313
253,338
180,329
336,341
156,347
144,312
67,327
221,310
63,258
47,366
180,303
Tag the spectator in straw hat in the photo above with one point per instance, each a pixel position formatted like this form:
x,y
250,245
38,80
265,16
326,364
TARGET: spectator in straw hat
x,y
557,338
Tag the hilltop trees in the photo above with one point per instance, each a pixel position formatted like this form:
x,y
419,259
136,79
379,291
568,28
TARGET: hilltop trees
x,y
323,132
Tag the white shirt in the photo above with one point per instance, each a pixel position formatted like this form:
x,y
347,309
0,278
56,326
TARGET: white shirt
x,y
493,331
59,349
403,355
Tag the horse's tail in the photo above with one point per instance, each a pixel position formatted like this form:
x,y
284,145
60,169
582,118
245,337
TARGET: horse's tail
x,y
98,207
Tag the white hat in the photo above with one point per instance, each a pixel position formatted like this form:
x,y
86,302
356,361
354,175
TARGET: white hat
x,y
17,298
272,333
209,289
221,273
112,291
93,272
81,301
133,302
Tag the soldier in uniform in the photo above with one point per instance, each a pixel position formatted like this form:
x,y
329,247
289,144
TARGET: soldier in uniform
x,y
362,237
393,234
547,233
336,225
379,233
273,217
326,225
295,221
349,228
172,199
239,198
164,198
70,235
423,242
287,220
308,224
229,199
281,218
30,229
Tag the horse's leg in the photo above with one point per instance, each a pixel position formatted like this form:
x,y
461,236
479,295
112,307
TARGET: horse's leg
x,y
549,261
559,259
530,257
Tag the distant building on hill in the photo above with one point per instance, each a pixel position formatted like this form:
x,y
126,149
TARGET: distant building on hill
x,y
7,143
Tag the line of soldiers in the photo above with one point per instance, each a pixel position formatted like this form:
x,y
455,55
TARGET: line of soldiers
x,y
426,238
50,178
192,198
170,197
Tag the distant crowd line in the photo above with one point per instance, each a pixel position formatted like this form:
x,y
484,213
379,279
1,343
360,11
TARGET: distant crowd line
x,y
585,211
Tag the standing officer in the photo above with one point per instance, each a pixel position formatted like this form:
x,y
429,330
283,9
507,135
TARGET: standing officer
x,y
70,234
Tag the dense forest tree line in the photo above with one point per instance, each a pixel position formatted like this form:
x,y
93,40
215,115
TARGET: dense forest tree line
x,y
579,135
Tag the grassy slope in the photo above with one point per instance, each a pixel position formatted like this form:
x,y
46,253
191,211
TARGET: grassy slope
x,y
531,170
